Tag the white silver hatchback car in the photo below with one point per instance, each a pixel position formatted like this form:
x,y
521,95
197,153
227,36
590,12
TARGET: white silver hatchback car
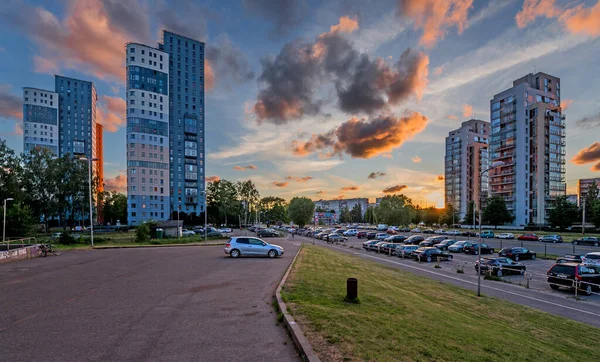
x,y
249,246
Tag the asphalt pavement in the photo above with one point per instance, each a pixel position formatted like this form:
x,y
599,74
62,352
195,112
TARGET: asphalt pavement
x,y
148,304
538,295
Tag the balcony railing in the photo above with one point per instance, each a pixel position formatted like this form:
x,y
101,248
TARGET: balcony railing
x,y
557,123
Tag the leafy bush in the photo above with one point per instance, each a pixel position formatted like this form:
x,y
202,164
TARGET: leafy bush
x,y
67,239
142,233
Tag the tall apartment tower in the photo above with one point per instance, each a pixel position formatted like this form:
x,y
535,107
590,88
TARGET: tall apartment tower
x,y
466,156
40,120
77,116
528,134
186,122
583,186
147,134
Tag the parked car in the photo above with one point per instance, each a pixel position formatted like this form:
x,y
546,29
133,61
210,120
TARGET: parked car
x,y
591,258
371,235
570,258
431,241
430,254
267,233
246,246
382,227
55,236
500,266
361,234
473,248
335,237
407,249
391,232
440,231
529,237
226,230
350,232
396,239
367,244
381,236
404,230
457,247
505,236
445,244
213,232
453,233
376,246
588,240
487,234
186,232
551,238
565,275
389,248
518,253
428,231
468,233
415,230
414,239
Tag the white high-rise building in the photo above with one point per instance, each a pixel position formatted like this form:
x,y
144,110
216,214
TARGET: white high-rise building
x,y
40,120
528,134
466,156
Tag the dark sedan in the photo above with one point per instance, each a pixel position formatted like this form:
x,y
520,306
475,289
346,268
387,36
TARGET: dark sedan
x,y
500,266
518,253
445,244
428,231
335,237
267,233
468,233
570,258
414,240
473,248
430,254
371,235
529,237
389,248
588,240
367,244
432,240
396,239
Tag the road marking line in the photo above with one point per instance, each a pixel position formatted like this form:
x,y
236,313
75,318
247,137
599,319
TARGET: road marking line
x,y
483,286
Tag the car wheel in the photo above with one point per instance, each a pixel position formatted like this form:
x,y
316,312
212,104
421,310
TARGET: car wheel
x,y
234,253
587,290
476,252
516,258
428,259
499,272
554,286
522,271
272,253
596,243
533,257
554,241
576,243
450,257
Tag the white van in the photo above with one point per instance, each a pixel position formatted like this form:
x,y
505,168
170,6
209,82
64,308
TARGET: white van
x,y
382,227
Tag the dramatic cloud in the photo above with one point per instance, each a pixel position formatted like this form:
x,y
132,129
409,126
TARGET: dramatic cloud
x,y
320,192
467,110
227,61
340,197
361,138
112,113
376,174
183,17
299,179
280,184
589,155
362,84
536,8
587,122
212,178
416,159
452,117
11,106
438,71
436,16
118,183
286,14
350,188
18,129
440,178
565,104
394,189
245,168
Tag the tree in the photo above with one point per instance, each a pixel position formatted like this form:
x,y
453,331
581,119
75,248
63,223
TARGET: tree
x,y
249,195
40,183
356,213
142,233
274,208
564,213
496,213
71,187
449,216
345,216
591,196
395,210
11,174
221,196
301,210
370,215
431,215
469,215
19,219
115,207
594,213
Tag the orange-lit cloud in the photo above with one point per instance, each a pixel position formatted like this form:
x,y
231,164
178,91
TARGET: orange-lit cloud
x,y
536,8
361,138
394,189
212,178
18,129
245,168
280,184
452,117
320,192
112,112
440,178
339,197
376,174
565,104
299,179
589,155
467,110
346,25
581,20
434,17
118,183
209,76
350,188
11,106
438,71
417,159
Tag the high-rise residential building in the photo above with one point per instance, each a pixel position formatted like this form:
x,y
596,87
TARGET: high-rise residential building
x,y
528,134
466,156
100,169
40,120
147,134
338,205
77,116
583,185
186,122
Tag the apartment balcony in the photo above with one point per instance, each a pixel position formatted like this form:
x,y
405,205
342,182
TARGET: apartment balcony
x,y
505,147
558,133
558,142
558,188
503,190
505,155
503,173
561,124
499,181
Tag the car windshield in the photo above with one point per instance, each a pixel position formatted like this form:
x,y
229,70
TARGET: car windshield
x,y
460,243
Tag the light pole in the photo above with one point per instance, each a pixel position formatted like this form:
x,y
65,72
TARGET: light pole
x,y
178,231
4,223
90,160
493,166
205,213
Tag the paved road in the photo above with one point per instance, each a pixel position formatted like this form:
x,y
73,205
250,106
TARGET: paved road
x,y
538,296
155,304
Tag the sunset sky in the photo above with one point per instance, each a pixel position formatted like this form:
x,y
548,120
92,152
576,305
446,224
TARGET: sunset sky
x,y
323,99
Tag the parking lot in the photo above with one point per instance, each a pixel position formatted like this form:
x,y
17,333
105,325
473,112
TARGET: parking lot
x,y
513,287
150,304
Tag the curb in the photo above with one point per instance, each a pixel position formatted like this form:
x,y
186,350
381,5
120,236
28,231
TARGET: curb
x,y
298,337
155,246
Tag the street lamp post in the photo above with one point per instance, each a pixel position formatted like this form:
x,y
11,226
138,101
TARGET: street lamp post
x,y
4,223
90,160
178,231
205,214
493,166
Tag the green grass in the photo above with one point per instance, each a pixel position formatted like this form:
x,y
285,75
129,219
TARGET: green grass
x,y
406,317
